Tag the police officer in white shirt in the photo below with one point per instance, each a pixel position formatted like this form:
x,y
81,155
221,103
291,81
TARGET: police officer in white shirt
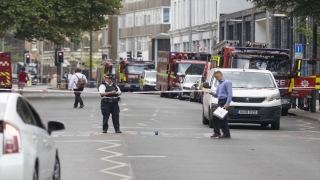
x,y
110,93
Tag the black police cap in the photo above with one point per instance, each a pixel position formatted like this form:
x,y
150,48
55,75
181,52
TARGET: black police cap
x,y
109,76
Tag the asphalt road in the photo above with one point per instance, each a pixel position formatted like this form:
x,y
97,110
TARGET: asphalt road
x,y
182,150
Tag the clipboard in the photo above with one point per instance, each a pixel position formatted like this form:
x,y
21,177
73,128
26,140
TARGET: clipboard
x,y
220,113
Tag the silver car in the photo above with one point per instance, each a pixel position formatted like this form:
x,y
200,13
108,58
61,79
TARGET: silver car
x,y
186,84
27,150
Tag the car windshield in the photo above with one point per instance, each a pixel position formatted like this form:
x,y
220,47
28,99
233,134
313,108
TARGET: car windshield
x,y
191,79
151,75
250,79
135,69
278,67
192,69
32,70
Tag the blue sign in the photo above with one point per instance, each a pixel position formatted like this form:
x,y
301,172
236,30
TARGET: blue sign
x,y
298,48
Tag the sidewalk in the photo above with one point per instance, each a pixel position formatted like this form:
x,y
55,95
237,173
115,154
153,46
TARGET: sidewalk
x,y
306,114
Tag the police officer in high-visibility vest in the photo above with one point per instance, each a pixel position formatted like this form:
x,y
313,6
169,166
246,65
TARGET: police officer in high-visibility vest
x,y
110,93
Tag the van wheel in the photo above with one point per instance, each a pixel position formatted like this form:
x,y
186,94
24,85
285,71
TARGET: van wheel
x,y
56,171
275,126
205,121
284,112
35,173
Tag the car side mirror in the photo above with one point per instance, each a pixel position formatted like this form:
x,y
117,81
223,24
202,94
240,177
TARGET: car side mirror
x,y
206,85
55,126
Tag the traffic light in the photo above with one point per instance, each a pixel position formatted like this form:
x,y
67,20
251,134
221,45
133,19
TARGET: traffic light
x,y
139,54
129,54
60,56
27,58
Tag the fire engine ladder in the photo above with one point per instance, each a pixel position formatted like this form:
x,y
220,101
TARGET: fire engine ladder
x,y
218,46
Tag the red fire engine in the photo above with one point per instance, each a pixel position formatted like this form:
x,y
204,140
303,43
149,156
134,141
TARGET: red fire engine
x,y
5,71
306,83
257,56
173,66
128,73
108,68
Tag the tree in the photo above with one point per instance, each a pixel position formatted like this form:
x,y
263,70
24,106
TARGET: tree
x,y
14,57
95,63
54,20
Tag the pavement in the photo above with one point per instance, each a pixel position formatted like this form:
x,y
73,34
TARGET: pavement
x,y
306,114
183,148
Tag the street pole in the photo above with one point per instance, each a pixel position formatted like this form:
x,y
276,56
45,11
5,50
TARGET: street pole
x,y
134,33
90,71
268,28
41,79
225,29
118,44
81,55
190,27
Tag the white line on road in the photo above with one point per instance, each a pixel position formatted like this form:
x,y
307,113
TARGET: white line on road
x,y
140,124
147,156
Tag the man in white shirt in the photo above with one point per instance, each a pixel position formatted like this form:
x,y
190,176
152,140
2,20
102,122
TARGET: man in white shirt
x,y
110,93
77,83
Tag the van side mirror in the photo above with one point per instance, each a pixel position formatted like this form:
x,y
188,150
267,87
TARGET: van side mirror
x,y
206,85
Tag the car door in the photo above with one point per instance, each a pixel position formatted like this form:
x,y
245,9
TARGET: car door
x,y
31,130
47,144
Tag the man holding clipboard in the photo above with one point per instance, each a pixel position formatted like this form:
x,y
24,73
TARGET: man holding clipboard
x,y
224,95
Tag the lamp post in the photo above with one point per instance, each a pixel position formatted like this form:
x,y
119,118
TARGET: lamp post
x,y
190,27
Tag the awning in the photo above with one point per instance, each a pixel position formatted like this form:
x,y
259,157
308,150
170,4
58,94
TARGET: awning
x,y
161,36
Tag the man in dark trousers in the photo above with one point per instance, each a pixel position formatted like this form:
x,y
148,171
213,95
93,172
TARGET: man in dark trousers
x,y
110,93
224,95
77,84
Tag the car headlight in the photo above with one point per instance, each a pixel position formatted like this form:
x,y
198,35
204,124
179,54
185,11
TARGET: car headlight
x,y
274,97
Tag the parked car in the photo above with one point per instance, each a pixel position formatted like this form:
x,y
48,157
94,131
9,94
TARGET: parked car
x,y
27,150
256,97
186,84
148,80
195,96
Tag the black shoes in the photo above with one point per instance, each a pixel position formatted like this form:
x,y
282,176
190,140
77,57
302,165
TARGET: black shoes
x,y
75,106
216,135
81,106
225,136
118,131
104,131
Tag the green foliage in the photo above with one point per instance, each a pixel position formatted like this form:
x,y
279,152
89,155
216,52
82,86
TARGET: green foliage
x,y
95,63
14,57
305,29
54,20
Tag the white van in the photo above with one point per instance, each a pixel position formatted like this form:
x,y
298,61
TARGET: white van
x,y
256,97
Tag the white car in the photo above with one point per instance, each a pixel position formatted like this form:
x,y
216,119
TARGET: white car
x,y
256,97
186,84
148,80
27,150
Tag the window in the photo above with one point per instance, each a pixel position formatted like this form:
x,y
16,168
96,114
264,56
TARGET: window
x,y
230,32
222,33
130,44
239,33
166,15
24,112
122,45
278,32
141,43
248,31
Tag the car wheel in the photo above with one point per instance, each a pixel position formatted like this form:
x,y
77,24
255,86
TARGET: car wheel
x,y
265,125
284,112
275,126
205,121
180,97
56,171
35,173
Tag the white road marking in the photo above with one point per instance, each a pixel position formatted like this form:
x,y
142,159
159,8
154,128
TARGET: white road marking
x,y
125,109
147,156
140,124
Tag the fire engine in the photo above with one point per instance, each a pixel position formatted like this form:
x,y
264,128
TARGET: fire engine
x,y
173,66
128,73
306,83
5,70
257,56
108,68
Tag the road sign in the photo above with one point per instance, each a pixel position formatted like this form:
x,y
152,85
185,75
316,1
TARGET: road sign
x,y
298,48
198,45
298,55
203,49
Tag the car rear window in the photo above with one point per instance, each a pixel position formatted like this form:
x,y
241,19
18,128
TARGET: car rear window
x,y
250,79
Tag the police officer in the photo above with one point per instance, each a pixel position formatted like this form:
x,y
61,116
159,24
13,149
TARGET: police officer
x,y
110,93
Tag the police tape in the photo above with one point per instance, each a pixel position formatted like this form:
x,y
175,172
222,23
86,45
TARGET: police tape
x,y
143,92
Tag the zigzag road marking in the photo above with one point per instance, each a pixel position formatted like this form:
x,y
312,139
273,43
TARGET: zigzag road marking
x,y
305,125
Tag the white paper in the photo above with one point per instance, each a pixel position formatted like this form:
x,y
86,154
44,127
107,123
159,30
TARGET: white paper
x,y
220,113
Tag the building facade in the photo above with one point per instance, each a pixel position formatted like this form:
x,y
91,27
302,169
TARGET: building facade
x,y
143,27
204,26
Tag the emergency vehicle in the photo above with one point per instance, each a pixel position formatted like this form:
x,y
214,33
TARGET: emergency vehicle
x,y
108,68
5,70
148,80
172,67
257,56
306,83
128,73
